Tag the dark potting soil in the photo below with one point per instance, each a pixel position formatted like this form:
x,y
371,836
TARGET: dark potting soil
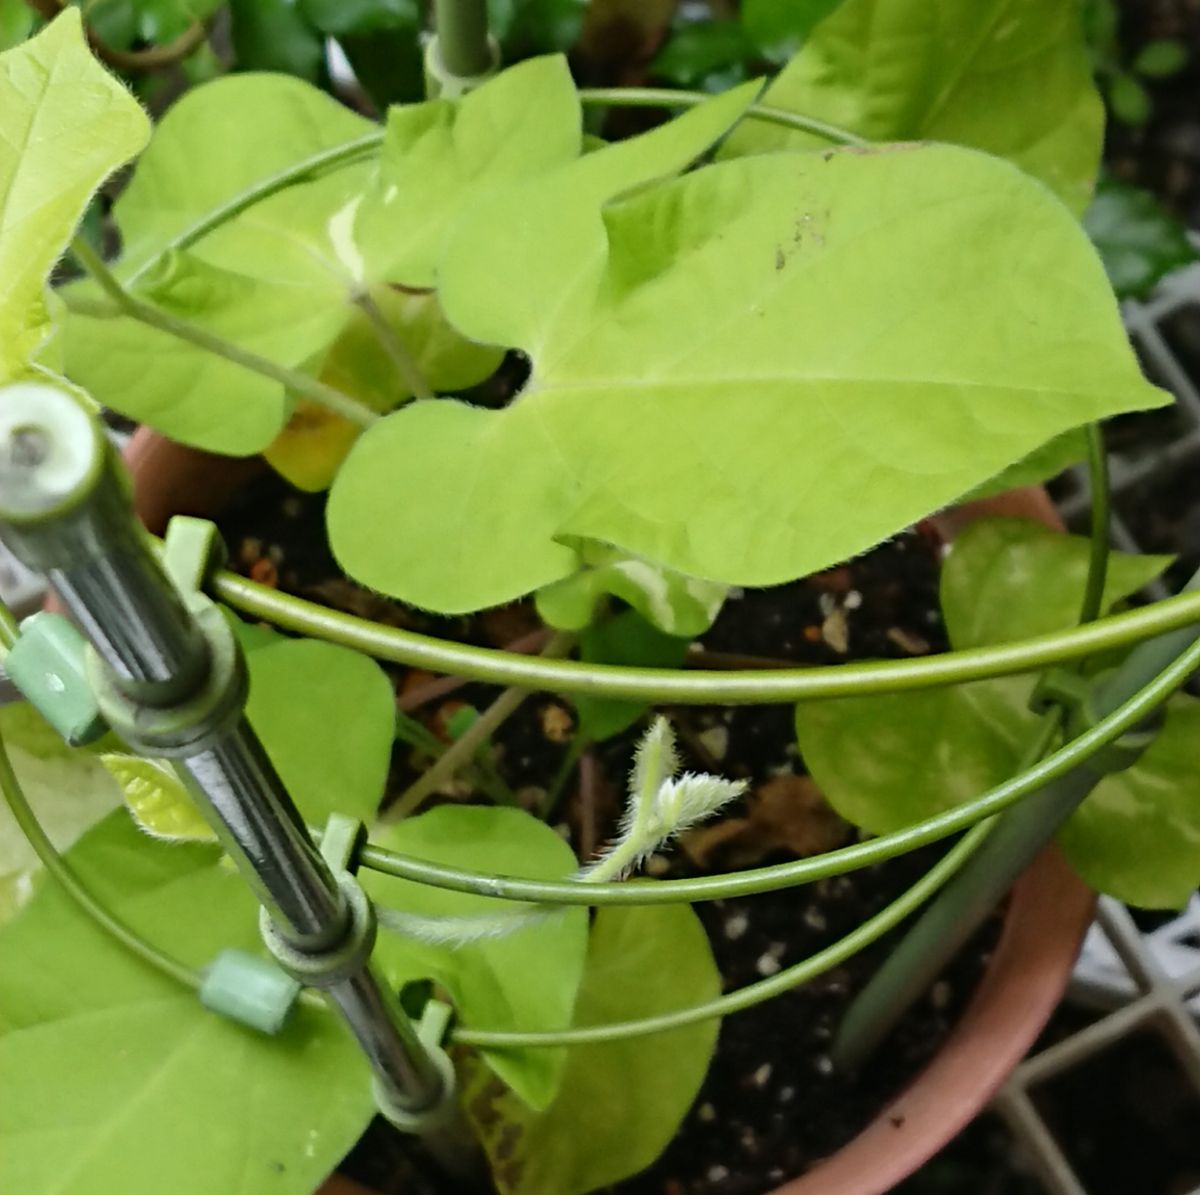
x,y
772,1104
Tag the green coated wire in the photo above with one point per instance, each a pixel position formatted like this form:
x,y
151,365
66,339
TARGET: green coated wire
x,y
351,153
754,993
669,97
57,867
819,867
662,686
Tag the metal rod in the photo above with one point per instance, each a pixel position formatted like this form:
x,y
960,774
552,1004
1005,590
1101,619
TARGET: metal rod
x,y
65,509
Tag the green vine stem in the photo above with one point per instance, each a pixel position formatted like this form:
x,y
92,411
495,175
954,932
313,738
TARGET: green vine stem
x,y
57,867
819,867
293,380
349,153
667,97
406,364
664,686
754,993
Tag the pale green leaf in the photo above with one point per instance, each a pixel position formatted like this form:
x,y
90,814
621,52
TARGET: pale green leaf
x,y
65,125
1057,454
886,762
157,799
327,717
186,392
620,1102
68,789
675,604
524,981
440,155
1007,579
1008,76
218,141
688,423
115,1076
1137,836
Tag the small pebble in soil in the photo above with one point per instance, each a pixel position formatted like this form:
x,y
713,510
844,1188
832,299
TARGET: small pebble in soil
x,y
835,630
706,1113
736,925
762,1076
718,1174
715,740
815,919
767,964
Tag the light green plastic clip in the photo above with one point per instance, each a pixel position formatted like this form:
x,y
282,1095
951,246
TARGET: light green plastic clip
x,y
47,664
250,990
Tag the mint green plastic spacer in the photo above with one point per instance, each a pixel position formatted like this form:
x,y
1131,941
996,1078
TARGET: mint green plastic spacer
x,y
48,664
252,991
192,551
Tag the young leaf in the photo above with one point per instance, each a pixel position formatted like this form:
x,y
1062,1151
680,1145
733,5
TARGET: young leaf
x,y
1008,76
622,1101
69,790
675,604
525,981
1005,579
439,155
51,83
636,347
157,799
112,1072
661,806
1140,242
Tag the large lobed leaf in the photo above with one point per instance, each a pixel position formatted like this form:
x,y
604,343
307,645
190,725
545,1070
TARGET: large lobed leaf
x,y
1008,76
113,1073
715,360
65,125
886,762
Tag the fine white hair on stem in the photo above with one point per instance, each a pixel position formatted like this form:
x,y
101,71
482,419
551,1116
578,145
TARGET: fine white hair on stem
x,y
459,931
661,806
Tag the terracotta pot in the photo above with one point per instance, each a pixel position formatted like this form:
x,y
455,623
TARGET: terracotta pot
x,y
1048,913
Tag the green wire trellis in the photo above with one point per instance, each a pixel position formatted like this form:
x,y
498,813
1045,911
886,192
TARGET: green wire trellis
x,y
695,687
